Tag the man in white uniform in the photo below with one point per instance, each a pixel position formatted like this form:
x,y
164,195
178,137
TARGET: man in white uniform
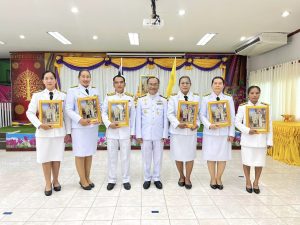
x,y
118,136
151,131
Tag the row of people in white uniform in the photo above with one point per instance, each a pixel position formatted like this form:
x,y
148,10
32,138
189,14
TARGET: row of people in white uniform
x,y
149,121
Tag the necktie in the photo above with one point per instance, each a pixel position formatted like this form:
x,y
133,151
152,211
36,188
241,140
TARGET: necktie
x,y
51,95
218,99
186,98
87,91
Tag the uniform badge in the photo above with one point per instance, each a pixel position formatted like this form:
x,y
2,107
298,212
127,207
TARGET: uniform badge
x,y
159,102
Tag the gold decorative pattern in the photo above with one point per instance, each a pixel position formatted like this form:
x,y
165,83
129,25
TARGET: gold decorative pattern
x,y
19,109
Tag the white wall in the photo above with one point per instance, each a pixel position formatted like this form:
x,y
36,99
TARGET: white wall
x,y
286,53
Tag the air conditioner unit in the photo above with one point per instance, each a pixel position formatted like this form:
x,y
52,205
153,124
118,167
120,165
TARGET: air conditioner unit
x,y
262,43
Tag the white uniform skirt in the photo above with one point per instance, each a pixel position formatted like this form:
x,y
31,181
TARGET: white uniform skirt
x,y
183,147
84,141
216,148
254,156
49,149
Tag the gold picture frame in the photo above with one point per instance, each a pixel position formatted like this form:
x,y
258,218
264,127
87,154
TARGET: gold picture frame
x,y
50,113
257,117
89,108
143,89
187,112
219,113
118,112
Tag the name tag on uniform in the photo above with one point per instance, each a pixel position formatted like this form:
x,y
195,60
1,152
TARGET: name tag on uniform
x,y
159,102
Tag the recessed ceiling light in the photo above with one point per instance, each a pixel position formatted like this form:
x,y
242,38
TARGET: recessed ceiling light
x,y
206,38
59,37
2,43
22,36
74,10
243,38
171,38
285,14
134,38
181,12
95,37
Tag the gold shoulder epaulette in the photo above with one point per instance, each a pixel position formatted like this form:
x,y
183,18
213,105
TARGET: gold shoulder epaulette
x,y
74,86
63,92
264,103
127,93
163,96
227,94
142,96
244,103
173,94
111,93
196,94
93,87
207,94
37,91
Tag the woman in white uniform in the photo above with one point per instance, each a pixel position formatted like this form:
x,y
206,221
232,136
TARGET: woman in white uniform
x,y
84,132
216,146
183,139
50,142
253,145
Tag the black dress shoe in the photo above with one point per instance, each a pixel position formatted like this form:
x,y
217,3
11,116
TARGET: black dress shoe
x,y
256,190
127,186
249,190
188,186
220,186
213,186
181,183
48,193
158,184
57,188
110,186
92,185
87,188
146,184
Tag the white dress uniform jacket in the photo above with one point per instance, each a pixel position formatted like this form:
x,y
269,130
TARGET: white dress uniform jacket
x,y
122,132
229,131
33,108
255,140
151,117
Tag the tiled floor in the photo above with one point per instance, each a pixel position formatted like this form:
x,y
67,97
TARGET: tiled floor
x,y
21,192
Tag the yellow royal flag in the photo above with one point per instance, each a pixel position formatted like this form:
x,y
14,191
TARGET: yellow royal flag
x,y
172,79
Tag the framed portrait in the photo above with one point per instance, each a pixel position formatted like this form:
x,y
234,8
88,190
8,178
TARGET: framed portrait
x,y
187,112
143,88
50,113
257,117
89,108
219,113
118,113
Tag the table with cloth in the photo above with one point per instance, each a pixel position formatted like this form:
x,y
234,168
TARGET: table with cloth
x,y
286,142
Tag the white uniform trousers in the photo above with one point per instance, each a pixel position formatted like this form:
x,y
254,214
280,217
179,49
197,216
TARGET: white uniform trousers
x,y
112,149
152,150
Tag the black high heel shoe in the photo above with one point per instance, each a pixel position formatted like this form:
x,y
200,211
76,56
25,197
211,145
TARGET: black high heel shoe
x,y
57,188
213,186
48,193
249,190
87,188
181,183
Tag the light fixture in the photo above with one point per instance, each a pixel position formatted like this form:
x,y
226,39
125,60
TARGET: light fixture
x,y
171,38
59,37
95,37
206,38
74,10
181,12
285,14
2,43
134,38
243,38
22,36
141,54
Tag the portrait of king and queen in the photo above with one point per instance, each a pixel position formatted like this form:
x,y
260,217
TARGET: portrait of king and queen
x,y
118,112
50,112
187,112
89,108
257,118
219,113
